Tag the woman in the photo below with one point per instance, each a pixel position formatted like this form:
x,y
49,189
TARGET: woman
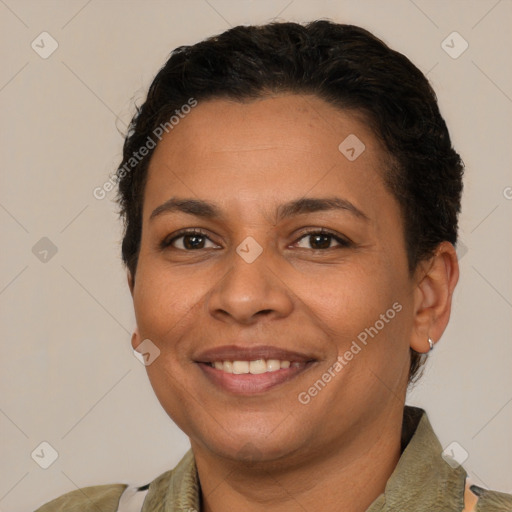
x,y
290,197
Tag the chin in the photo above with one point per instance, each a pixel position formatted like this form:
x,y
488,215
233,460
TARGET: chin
x,y
250,441
251,449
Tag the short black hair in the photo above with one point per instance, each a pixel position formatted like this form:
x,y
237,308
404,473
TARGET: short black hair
x,y
346,66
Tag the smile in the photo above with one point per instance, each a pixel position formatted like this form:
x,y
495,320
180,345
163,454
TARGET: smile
x,y
256,367
244,370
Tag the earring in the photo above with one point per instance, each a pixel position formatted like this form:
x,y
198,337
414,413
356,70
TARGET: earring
x,y
430,344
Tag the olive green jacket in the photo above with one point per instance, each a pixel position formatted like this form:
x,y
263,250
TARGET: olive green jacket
x,y
423,481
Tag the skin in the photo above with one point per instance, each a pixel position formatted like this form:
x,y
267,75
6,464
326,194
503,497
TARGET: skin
x,y
269,451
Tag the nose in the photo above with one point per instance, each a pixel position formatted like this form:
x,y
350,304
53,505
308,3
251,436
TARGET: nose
x,y
250,291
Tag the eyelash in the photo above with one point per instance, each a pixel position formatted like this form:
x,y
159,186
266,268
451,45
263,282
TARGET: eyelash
x,y
343,242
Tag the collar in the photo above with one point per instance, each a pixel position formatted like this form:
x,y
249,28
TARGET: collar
x,y
422,480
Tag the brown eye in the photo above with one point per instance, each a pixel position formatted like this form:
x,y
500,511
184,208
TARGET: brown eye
x,y
189,241
193,241
320,240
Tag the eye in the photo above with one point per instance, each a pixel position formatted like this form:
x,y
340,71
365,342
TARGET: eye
x,y
194,239
321,240
188,240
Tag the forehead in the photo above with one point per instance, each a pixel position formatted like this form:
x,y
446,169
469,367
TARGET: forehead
x,y
288,120
265,149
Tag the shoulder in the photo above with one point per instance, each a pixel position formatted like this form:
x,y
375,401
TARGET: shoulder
x,y
99,497
491,501
178,484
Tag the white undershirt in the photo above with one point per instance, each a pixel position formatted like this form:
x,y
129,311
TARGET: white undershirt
x,y
132,500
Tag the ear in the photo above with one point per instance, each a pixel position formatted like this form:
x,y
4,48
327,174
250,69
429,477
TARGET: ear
x,y
135,335
130,281
436,279
136,338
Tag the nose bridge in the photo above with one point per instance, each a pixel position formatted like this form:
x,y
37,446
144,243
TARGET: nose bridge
x,y
251,285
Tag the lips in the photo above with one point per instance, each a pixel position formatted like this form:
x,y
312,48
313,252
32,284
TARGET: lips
x,y
236,353
251,370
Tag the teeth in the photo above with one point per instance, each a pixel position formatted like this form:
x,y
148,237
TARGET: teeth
x,y
255,367
273,365
240,367
258,366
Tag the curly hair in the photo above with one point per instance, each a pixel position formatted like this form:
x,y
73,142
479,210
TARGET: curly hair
x,y
344,65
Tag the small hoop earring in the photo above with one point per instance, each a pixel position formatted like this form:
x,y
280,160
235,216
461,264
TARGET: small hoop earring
x,y
430,344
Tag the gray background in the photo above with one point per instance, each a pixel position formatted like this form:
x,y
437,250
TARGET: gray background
x,y
68,375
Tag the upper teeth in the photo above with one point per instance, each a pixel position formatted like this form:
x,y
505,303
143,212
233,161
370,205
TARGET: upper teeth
x,y
254,367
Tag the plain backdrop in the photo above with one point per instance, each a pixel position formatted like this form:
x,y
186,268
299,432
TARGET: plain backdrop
x,y
67,372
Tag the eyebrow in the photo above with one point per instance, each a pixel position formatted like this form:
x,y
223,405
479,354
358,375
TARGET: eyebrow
x,y
208,210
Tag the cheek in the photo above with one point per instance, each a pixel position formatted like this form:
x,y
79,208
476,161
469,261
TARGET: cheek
x,y
364,312
346,299
173,392
164,298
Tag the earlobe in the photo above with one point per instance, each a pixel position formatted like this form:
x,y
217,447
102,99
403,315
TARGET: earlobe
x,y
135,338
436,281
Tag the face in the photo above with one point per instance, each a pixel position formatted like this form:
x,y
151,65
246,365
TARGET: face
x,y
267,249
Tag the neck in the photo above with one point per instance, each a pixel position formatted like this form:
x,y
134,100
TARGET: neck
x,y
348,476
